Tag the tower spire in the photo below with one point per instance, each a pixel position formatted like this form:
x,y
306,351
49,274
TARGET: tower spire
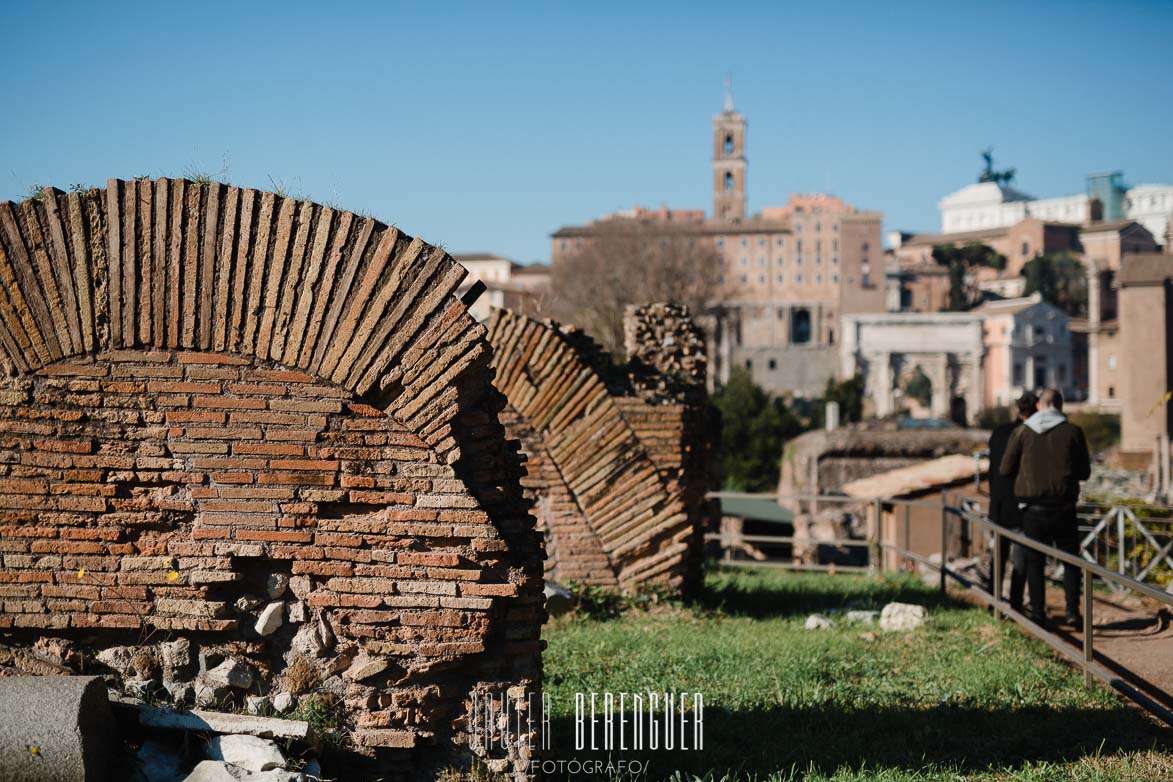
x,y
728,92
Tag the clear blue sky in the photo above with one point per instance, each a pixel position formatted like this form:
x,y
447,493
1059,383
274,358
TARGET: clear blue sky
x,y
485,126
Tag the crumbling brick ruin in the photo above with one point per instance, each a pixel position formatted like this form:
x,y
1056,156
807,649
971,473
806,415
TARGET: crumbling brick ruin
x,y
249,445
617,457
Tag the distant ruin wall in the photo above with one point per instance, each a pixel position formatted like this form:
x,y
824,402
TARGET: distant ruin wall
x,y
617,458
249,445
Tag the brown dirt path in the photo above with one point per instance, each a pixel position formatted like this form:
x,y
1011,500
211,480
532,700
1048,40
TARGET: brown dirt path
x,y
1132,635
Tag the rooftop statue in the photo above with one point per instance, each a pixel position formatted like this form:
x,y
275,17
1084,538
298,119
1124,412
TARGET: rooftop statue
x,y
989,174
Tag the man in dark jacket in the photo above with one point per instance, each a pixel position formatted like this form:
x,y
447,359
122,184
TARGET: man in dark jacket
x,y
1004,509
1048,456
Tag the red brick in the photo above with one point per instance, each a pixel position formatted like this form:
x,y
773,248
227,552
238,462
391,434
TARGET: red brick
x,y
257,389
278,376
295,478
489,590
322,568
321,465
428,559
211,358
232,477
195,417
65,446
268,449
227,403
182,387
274,535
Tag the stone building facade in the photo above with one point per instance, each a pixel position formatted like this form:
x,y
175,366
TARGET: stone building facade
x,y
1146,334
789,273
975,360
507,284
889,348
249,444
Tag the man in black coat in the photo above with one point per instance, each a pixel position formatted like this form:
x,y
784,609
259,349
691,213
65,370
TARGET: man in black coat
x,y
1004,509
1048,458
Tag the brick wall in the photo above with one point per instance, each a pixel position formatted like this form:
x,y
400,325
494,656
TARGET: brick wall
x,y
617,459
244,433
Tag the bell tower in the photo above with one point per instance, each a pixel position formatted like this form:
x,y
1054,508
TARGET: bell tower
x,y
729,161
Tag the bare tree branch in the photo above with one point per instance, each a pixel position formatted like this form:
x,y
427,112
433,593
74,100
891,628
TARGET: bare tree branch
x,y
632,262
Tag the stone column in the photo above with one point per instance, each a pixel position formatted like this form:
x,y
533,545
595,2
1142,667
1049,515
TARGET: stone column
x,y
1093,332
936,367
881,370
55,727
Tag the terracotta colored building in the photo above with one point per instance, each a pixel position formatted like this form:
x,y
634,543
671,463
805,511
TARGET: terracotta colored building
x,y
1146,338
508,284
789,272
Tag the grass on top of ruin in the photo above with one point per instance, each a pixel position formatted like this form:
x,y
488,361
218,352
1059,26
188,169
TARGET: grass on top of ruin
x,y
961,697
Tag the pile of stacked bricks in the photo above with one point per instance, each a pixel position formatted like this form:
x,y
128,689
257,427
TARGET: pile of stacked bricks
x,y
249,447
617,470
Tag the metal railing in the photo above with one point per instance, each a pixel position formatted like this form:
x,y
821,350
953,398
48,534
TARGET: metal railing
x,y
969,514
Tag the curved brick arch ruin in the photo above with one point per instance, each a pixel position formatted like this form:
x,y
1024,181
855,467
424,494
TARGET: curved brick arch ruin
x,y
617,461
212,391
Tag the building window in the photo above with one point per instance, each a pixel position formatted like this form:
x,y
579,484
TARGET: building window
x,y
744,242
761,279
835,244
1111,361
780,279
818,279
781,242
798,278
1019,375
798,246
749,364
562,244
835,277
830,336
1061,372
761,260
744,279
761,242
773,364
781,313
835,259
728,180
1111,392
800,326
720,241
728,143
864,247
744,261
1025,249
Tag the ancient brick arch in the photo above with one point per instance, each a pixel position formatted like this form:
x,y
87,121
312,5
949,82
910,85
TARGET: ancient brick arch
x,y
211,388
616,459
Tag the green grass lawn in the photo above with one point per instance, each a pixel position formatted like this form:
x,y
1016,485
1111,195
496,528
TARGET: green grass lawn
x,y
959,698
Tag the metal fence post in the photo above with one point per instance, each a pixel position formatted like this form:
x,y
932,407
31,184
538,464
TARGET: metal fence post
x,y
996,586
875,550
1088,652
944,537
1122,547
907,534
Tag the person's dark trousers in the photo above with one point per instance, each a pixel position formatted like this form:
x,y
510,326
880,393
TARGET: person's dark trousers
x,y
1017,575
1054,525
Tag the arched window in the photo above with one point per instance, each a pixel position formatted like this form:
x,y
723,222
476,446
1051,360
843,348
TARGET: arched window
x,y
728,143
800,326
728,180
